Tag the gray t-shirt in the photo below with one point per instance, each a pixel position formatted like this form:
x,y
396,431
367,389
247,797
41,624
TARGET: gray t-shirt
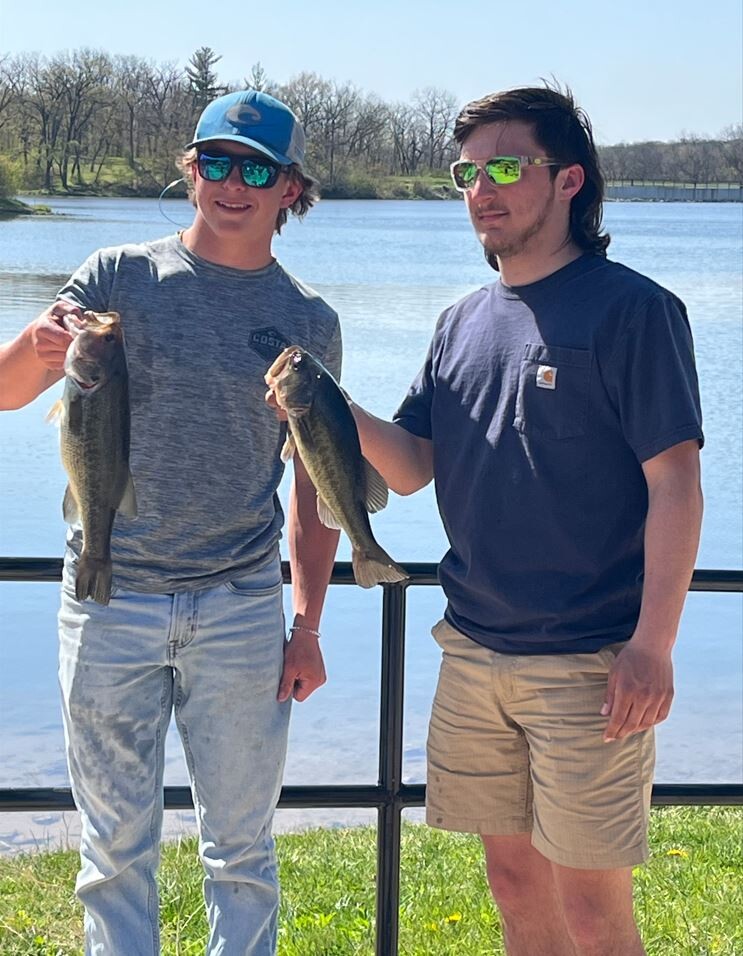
x,y
204,446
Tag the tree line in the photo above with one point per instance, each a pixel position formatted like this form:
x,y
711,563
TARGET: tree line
x,y
72,120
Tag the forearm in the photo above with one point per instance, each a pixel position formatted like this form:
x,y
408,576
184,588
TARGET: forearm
x,y
671,540
404,460
23,376
312,549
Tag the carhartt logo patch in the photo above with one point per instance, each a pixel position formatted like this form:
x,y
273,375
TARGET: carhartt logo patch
x,y
546,377
268,343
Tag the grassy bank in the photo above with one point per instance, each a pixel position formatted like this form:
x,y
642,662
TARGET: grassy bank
x,y
688,899
14,207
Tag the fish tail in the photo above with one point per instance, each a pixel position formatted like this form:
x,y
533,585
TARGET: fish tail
x,y
377,567
93,579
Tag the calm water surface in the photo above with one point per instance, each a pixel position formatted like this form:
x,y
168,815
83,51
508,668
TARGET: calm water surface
x,y
388,268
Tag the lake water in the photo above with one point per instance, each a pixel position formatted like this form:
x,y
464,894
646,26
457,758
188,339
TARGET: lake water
x,y
388,268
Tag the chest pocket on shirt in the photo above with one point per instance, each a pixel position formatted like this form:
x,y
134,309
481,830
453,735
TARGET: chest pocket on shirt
x,y
552,396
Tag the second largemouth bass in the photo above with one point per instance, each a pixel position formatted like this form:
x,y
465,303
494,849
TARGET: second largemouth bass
x,y
322,429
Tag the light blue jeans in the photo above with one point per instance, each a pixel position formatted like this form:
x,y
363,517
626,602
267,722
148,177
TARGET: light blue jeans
x,y
215,657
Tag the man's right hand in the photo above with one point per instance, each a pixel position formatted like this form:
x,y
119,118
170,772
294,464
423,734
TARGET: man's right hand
x,y
49,336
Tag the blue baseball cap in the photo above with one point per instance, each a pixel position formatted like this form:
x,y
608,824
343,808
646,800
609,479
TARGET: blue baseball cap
x,y
255,119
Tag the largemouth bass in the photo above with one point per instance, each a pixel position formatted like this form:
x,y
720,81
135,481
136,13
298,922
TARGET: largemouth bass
x,y
93,414
322,429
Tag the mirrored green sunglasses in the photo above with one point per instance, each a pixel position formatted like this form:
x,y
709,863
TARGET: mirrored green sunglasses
x,y
260,173
500,170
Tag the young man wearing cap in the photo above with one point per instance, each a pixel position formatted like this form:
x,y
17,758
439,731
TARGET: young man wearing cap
x,y
195,623
558,413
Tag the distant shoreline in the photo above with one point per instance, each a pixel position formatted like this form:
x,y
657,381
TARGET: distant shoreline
x,y
398,190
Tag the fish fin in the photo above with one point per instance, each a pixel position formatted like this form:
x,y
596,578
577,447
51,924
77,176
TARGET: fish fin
x,y
70,508
128,504
326,516
378,568
93,579
56,412
377,491
289,448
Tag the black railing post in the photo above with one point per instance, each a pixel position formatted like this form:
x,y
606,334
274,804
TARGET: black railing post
x,y
390,769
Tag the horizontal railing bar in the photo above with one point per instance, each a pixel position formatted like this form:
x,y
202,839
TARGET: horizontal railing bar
x,y
422,573
13,800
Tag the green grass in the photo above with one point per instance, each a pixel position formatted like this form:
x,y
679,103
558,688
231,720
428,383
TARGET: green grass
x,y
688,898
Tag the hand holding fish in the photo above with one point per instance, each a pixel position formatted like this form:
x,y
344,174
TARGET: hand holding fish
x,y
53,332
272,402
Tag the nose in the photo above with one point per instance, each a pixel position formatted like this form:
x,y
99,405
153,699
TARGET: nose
x,y
482,184
235,177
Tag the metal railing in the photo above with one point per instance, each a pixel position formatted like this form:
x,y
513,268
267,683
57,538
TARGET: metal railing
x,y
389,796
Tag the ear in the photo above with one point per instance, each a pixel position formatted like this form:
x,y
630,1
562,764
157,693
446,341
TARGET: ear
x,y
570,181
292,191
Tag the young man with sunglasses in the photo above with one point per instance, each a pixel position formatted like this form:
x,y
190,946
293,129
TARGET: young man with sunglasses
x,y
195,622
558,413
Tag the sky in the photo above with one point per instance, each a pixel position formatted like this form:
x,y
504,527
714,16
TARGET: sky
x,y
642,70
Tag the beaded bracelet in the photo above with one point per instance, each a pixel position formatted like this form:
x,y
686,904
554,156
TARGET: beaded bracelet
x,y
302,627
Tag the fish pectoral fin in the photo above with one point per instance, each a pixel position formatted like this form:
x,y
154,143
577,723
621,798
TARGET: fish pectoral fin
x,y
70,508
289,448
377,491
56,412
326,516
128,504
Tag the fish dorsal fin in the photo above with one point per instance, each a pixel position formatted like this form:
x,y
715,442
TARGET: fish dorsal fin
x,y
56,413
289,448
326,516
70,509
128,504
377,492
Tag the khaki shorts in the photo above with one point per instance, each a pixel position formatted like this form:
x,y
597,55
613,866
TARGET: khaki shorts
x,y
515,745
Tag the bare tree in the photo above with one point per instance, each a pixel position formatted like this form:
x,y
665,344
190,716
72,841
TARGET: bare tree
x,y
731,149
437,110
408,139
695,159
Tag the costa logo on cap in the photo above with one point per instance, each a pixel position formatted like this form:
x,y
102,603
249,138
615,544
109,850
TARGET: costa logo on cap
x,y
243,114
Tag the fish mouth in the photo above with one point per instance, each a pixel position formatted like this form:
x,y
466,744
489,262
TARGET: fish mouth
x,y
280,363
84,387
86,377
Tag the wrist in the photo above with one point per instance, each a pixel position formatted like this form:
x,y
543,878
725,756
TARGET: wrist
x,y
304,629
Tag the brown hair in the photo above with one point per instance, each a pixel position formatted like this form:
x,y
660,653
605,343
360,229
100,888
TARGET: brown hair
x,y
301,205
564,132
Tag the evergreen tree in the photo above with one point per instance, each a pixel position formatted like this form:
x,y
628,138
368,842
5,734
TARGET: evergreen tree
x,y
201,77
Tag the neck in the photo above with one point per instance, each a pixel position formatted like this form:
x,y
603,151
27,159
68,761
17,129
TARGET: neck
x,y
236,252
527,267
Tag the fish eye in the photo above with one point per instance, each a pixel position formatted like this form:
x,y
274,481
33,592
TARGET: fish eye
x,y
296,359
109,337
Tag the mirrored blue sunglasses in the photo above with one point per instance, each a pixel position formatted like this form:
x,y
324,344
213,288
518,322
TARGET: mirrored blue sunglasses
x,y
255,171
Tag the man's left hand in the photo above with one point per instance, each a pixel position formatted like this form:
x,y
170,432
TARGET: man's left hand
x,y
639,692
304,668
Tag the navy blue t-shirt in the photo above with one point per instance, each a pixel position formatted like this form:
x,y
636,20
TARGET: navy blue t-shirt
x,y
542,402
